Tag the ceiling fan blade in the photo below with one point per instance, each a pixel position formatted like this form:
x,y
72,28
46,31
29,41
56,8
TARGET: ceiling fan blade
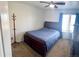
x,y
47,5
44,2
59,3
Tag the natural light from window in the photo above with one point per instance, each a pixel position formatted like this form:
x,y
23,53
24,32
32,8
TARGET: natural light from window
x,y
68,23
73,17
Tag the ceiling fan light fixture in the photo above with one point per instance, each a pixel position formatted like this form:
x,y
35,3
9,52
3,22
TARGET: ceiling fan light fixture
x,y
52,6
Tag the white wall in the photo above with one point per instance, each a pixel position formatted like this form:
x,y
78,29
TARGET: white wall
x,y
28,18
5,29
53,14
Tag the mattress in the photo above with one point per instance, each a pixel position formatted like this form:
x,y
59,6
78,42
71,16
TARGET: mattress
x,y
46,35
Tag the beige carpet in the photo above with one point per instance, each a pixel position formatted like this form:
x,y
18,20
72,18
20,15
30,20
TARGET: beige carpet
x,y
61,49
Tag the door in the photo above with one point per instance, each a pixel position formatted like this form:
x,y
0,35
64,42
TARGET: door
x,y
5,38
1,44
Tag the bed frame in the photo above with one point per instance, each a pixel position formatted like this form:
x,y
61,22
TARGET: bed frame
x,y
37,45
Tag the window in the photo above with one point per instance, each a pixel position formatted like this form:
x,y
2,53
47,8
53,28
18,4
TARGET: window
x,y
68,22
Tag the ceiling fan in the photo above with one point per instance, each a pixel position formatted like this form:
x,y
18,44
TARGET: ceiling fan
x,y
52,3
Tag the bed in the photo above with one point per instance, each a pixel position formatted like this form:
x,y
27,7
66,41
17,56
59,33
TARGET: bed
x,y
43,39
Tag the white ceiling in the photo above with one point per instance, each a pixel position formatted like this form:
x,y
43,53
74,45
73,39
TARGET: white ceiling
x,y
68,5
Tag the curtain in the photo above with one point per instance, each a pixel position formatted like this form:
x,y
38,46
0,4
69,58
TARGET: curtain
x,y
77,19
76,26
60,23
